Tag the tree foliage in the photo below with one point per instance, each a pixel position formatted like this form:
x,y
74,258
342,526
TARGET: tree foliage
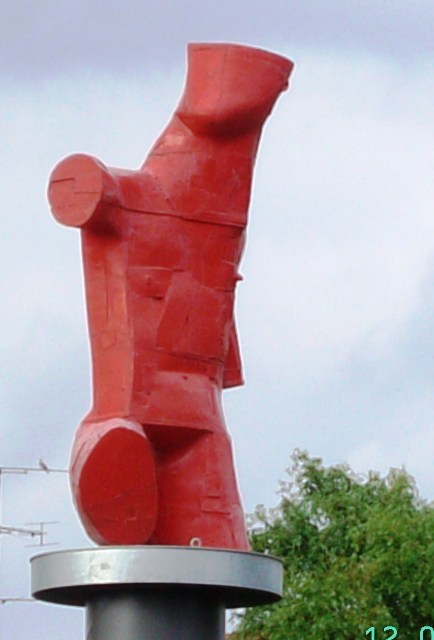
x,y
357,553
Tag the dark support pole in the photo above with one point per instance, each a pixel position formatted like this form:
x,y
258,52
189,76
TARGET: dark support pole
x,y
134,616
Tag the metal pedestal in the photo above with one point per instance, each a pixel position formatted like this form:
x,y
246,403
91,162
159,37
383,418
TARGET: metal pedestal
x,y
150,593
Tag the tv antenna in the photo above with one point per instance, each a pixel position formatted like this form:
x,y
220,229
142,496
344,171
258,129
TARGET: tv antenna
x,y
34,530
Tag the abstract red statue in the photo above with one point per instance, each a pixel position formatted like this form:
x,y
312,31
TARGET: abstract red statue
x,y
152,461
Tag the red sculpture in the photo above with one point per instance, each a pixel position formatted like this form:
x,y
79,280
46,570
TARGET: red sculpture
x,y
152,461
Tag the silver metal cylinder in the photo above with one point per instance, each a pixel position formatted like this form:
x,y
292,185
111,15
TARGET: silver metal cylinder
x,y
150,593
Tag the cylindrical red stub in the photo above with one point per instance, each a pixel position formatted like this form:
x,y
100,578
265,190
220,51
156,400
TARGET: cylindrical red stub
x,y
78,186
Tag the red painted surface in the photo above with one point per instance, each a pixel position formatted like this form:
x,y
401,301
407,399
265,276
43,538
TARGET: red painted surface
x,y
152,461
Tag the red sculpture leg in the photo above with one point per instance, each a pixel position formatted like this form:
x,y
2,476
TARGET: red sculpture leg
x,y
113,479
152,461
203,501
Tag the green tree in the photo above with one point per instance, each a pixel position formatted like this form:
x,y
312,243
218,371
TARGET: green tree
x,y
357,553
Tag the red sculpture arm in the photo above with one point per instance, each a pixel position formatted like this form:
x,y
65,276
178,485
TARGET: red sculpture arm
x,y
80,189
152,461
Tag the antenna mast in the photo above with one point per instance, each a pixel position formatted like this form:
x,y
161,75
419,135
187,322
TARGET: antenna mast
x,y
30,529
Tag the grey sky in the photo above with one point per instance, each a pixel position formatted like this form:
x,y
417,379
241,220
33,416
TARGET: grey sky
x,y
58,36
337,307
